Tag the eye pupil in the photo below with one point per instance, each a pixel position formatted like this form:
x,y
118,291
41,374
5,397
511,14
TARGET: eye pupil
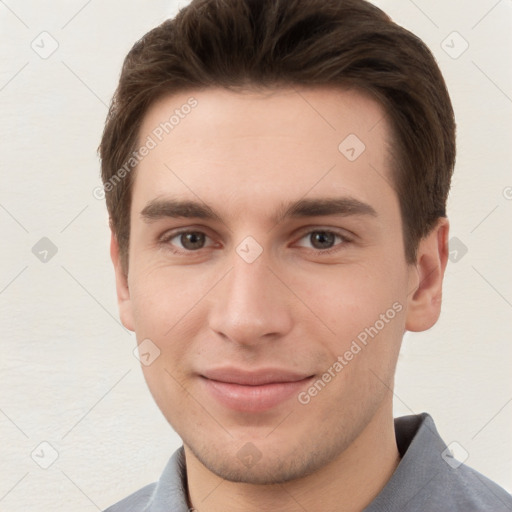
x,y
192,240
322,239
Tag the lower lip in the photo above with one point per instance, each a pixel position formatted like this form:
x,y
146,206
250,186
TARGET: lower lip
x,y
253,398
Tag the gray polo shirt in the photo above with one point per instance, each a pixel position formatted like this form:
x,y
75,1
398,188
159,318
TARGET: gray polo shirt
x,y
428,478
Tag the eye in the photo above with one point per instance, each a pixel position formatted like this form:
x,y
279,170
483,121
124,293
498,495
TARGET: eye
x,y
322,240
187,240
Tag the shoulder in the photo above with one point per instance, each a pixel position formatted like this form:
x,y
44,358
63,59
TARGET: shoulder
x,y
429,478
136,502
167,494
454,485
463,489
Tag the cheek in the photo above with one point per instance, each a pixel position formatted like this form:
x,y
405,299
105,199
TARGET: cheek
x,y
349,299
163,309
161,296
169,308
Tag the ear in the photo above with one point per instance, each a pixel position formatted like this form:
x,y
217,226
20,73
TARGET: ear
x,y
426,279
123,292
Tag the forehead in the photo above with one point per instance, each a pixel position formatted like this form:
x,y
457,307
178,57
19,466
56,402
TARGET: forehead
x,y
254,148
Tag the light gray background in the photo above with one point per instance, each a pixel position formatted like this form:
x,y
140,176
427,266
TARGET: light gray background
x,y
69,377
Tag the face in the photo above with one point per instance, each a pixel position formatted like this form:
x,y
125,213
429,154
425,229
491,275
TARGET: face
x,y
267,269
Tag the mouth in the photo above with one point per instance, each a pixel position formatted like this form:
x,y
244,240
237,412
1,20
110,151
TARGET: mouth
x,y
254,391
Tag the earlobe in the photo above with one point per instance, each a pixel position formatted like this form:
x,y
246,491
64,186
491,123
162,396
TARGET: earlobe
x,y
123,292
426,279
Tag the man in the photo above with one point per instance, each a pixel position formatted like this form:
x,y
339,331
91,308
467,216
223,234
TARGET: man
x,y
276,174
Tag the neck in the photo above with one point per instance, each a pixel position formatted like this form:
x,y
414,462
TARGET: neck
x,y
348,483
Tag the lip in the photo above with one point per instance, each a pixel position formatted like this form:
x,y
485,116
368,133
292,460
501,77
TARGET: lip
x,y
253,377
253,391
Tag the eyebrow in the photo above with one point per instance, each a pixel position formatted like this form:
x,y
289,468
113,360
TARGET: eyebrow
x,y
175,208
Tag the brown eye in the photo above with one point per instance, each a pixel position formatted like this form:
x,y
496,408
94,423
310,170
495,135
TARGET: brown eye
x,y
192,240
322,239
186,241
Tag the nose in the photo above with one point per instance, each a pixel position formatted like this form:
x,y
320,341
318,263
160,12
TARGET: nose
x,y
250,306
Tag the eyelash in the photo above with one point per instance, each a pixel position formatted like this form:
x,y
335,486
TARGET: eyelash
x,y
165,240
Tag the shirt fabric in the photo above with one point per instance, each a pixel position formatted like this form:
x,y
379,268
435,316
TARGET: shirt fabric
x,y
427,478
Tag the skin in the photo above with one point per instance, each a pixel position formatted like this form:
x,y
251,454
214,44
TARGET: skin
x,y
295,307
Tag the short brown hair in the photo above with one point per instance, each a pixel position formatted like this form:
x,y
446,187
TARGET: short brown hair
x,y
240,44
